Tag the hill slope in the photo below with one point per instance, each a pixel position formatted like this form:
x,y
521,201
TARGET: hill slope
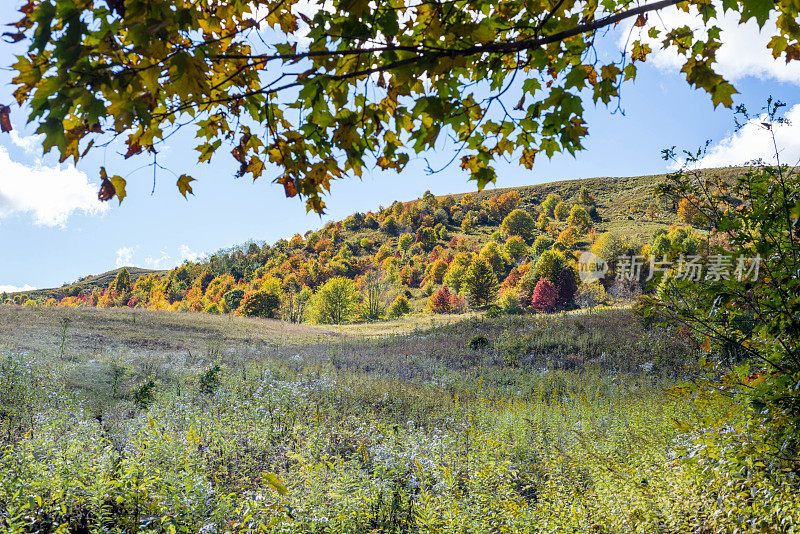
x,y
439,229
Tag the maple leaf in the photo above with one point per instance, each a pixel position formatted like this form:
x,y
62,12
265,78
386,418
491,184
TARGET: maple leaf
x,y
528,157
184,186
119,186
111,186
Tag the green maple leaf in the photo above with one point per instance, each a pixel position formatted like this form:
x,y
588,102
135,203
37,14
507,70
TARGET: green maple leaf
x,y
184,186
723,93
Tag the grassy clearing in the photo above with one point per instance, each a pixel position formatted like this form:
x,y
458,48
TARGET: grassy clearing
x,y
557,424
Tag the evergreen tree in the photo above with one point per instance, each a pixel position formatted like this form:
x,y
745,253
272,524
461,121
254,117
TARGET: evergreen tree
x,y
481,283
566,289
203,280
122,283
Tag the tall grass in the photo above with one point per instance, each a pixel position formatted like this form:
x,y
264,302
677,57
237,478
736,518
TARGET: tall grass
x,y
415,433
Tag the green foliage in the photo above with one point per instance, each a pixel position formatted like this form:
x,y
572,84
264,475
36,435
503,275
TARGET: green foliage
x,y
122,283
259,304
457,271
389,226
561,211
295,304
173,61
404,243
541,244
400,306
203,280
585,197
515,248
549,265
542,222
749,324
410,432
335,302
579,218
144,395
481,283
210,380
519,223
492,253
550,203
609,246
426,237
232,299
478,342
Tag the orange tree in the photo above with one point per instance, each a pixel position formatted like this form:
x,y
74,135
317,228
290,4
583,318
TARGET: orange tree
x,y
314,95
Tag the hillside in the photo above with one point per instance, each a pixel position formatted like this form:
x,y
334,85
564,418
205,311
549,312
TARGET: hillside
x,y
90,282
445,234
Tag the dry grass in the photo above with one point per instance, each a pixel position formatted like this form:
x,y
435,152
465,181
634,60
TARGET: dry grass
x,y
404,325
93,330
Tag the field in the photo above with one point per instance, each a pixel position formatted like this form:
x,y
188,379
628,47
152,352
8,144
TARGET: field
x,y
562,423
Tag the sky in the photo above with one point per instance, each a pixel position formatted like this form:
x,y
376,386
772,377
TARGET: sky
x,y
53,230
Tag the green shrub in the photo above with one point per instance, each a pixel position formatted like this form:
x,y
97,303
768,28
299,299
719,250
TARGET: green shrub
x,y
399,307
478,342
232,299
210,381
259,304
144,395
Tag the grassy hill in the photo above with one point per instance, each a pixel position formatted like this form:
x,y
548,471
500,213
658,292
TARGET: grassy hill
x,y
98,281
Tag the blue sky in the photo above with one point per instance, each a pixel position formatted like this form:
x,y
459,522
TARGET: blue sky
x,y
53,231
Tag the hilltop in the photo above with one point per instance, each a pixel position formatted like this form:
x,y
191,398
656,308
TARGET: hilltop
x,y
398,257
90,282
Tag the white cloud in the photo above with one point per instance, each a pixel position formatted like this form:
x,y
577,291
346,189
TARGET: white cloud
x,y
743,52
124,256
165,261
15,289
753,142
188,254
29,144
49,194
162,262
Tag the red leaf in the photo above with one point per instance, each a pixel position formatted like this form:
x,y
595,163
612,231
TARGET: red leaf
x,y
5,119
133,149
106,190
288,186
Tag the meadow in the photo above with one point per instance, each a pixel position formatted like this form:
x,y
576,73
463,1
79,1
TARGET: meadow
x,y
190,423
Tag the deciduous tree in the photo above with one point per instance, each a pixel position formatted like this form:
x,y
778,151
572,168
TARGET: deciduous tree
x,y
335,302
351,85
519,222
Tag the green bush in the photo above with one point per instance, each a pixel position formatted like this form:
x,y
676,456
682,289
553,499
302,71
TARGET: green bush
x,y
210,381
232,299
399,307
144,395
259,304
478,342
